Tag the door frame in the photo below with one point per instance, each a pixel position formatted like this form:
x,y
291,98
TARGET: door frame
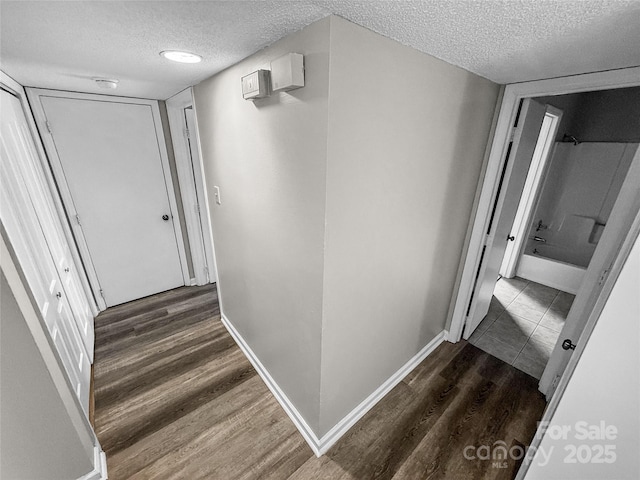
x,y
513,94
524,138
192,187
34,95
531,193
18,90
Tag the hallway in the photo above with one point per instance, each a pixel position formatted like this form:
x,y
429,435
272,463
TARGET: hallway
x,y
176,398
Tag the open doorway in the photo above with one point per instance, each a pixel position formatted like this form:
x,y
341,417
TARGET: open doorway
x,y
574,175
193,192
490,231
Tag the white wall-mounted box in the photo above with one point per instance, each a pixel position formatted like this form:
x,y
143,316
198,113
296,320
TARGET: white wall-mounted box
x,y
256,85
287,72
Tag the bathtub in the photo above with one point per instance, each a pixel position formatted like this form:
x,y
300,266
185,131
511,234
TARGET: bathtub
x,y
552,273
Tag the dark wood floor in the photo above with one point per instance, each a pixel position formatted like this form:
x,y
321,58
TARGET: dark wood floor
x,y
176,398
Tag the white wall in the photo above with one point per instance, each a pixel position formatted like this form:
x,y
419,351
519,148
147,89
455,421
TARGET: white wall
x,y
269,159
344,208
407,135
37,436
604,387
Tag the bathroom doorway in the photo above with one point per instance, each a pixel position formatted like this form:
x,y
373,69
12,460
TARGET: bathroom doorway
x,y
572,184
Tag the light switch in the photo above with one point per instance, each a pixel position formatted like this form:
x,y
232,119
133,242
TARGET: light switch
x,y
216,194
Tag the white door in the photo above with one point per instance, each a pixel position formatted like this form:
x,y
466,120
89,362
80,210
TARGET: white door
x,y
607,257
16,134
21,222
184,134
110,155
504,211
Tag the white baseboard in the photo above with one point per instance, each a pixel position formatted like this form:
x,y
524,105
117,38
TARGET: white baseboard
x,y
104,475
333,435
322,445
284,401
99,471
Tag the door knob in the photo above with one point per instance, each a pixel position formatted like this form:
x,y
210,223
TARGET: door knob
x,y
165,218
66,269
511,238
59,295
567,345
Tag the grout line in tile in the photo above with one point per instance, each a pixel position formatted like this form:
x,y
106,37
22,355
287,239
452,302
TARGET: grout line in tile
x,y
514,298
525,344
516,359
549,307
537,323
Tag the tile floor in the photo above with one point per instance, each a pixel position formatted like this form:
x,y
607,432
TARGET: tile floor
x,y
523,324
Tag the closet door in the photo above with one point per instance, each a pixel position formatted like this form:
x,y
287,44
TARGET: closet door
x,y
18,219
22,225
17,133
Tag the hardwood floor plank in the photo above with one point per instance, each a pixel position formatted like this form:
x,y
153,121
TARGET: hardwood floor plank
x,y
283,460
154,302
433,363
405,415
144,352
176,363
144,413
175,398
170,325
475,418
167,441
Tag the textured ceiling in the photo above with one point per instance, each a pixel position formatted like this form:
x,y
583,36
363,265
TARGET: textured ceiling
x,y
64,44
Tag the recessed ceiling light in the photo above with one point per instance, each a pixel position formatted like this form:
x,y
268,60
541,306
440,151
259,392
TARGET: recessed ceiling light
x,y
106,82
182,57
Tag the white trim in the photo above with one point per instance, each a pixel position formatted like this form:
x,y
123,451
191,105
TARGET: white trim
x,y
581,344
205,214
495,162
99,471
277,392
19,91
333,435
171,194
103,466
34,95
321,445
628,77
186,179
